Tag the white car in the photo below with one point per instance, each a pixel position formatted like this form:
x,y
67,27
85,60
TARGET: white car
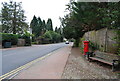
x,y
67,42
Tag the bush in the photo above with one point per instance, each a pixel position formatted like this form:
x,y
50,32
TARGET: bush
x,y
53,36
26,36
50,37
44,39
27,40
93,46
34,43
13,38
47,35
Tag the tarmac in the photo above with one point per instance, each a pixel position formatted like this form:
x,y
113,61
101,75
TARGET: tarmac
x,y
51,67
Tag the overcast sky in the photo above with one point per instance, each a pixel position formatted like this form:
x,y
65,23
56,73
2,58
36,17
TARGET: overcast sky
x,y
44,9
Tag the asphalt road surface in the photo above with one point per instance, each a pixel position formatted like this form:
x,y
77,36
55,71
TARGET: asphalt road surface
x,y
15,57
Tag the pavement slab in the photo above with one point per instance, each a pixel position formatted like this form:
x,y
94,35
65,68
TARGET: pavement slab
x,y
51,67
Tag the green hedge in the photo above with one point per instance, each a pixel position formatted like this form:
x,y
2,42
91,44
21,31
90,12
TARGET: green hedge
x,y
13,38
27,40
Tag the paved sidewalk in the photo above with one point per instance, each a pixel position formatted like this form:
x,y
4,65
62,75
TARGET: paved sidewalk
x,y
51,67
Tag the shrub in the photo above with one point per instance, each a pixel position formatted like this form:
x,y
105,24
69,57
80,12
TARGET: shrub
x,y
26,36
50,37
6,37
34,42
44,39
93,46
53,36
47,35
27,40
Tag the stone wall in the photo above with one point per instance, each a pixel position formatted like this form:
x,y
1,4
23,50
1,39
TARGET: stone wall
x,y
103,38
21,42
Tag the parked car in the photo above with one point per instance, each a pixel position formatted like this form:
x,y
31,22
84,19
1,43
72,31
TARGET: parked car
x,y
67,42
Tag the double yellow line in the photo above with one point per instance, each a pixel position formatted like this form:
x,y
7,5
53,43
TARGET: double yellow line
x,y
23,67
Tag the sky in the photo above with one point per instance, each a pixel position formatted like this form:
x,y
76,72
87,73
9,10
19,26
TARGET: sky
x,y
44,9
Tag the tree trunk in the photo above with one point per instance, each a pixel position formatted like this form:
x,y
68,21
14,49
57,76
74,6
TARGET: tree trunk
x,y
14,20
14,30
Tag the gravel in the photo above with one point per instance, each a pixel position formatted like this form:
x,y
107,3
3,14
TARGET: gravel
x,y
78,67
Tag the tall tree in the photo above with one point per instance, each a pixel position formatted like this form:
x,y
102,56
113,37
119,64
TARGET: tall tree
x,y
34,26
39,27
87,16
60,32
49,25
56,29
13,18
73,24
44,27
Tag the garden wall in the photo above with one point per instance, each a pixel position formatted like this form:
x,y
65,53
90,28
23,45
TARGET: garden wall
x,y
21,42
103,39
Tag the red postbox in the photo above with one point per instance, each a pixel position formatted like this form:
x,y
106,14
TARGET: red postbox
x,y
86,47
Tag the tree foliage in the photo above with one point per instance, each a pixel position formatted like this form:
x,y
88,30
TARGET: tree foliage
x,y
59,30
87,16
6,37
44,31
13,18
49,25
51,36
35,25
39,27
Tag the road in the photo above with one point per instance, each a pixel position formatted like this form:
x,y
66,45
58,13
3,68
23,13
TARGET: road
x,y
16,57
